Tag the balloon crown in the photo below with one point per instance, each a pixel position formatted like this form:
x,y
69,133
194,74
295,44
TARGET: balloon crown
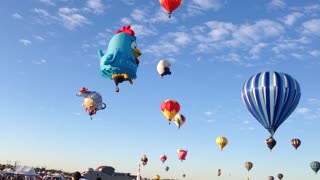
x,y
126,29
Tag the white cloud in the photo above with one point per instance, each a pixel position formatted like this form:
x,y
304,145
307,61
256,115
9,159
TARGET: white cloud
x,y
277,4
249,34
179,38
129,2
71,19
292,18
312,26
315,53
126,20
246,122
95,6
138,15
142,30
41,12
256,49
303,110
25,42
48,2
208,113
17,16
197,6
219,30
41,61
296,55
290,44
38,37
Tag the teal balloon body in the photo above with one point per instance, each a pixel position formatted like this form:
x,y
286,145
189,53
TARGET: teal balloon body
x,y
119,57
271,97
315,166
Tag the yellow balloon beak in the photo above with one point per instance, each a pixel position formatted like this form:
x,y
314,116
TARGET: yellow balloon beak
x,y
136,52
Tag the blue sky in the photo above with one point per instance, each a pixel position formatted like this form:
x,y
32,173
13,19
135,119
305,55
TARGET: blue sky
x,y
49,49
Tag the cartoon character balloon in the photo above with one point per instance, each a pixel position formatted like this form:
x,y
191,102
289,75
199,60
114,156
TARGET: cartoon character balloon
x,y
120,62
163,68
92,101
271,97
163,158
221,142
170,108
182,154
271,142
144,160
179,120
315,166
248,166
296,143
170,5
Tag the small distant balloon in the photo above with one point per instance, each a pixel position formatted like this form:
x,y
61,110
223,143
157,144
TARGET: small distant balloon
x,y
221,142
163,68
296,143
271,143
280,176
315,166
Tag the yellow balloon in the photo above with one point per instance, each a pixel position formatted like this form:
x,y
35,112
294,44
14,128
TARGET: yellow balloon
x,y
156,177
221,142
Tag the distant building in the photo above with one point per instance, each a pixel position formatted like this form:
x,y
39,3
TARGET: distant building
x,y
107,173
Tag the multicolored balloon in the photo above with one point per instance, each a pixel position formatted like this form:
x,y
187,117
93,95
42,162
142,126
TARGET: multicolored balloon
x,y
271,97
280,176
296,143
315,166
120,62
221,142
271,142
163,158
179,120
248,165
92,101
170,108
163,68
144,160
219,172
170,5
182,154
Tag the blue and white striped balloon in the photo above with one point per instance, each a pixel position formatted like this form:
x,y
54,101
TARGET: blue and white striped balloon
x,y
271,97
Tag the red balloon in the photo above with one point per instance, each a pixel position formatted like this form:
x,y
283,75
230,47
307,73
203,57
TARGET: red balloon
x,y
170,5
295,143
163,158
182,154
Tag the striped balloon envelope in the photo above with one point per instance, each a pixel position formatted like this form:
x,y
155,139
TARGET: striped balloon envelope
x,y
271,97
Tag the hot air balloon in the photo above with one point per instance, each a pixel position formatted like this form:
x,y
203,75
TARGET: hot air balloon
x,y
219,172
163,158
167,168
280,176
179,120
248,165
156,177
144,160
271,142
221,142
120,62
248,178
271,97
163,68
170,108
92,101
296,143
182,154
170,5
183,175
315,166
270,178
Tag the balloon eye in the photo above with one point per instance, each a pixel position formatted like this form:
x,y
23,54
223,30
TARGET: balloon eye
x,y
134,45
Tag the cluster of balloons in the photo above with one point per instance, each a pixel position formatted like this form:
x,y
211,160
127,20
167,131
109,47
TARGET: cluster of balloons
x,y
170,109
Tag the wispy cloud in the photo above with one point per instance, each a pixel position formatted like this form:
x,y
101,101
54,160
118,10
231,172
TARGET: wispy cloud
x,y
38,37
95,6
275,4
143,30
312,27
292,18
315,53
71,19
256,49
25,42
42,12
17,16
246,122
38,62
208,113
129,2
197,6
303,110
48,2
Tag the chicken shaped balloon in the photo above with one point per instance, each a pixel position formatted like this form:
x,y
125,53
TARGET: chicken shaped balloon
x,y
120,62
92,101
182,154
